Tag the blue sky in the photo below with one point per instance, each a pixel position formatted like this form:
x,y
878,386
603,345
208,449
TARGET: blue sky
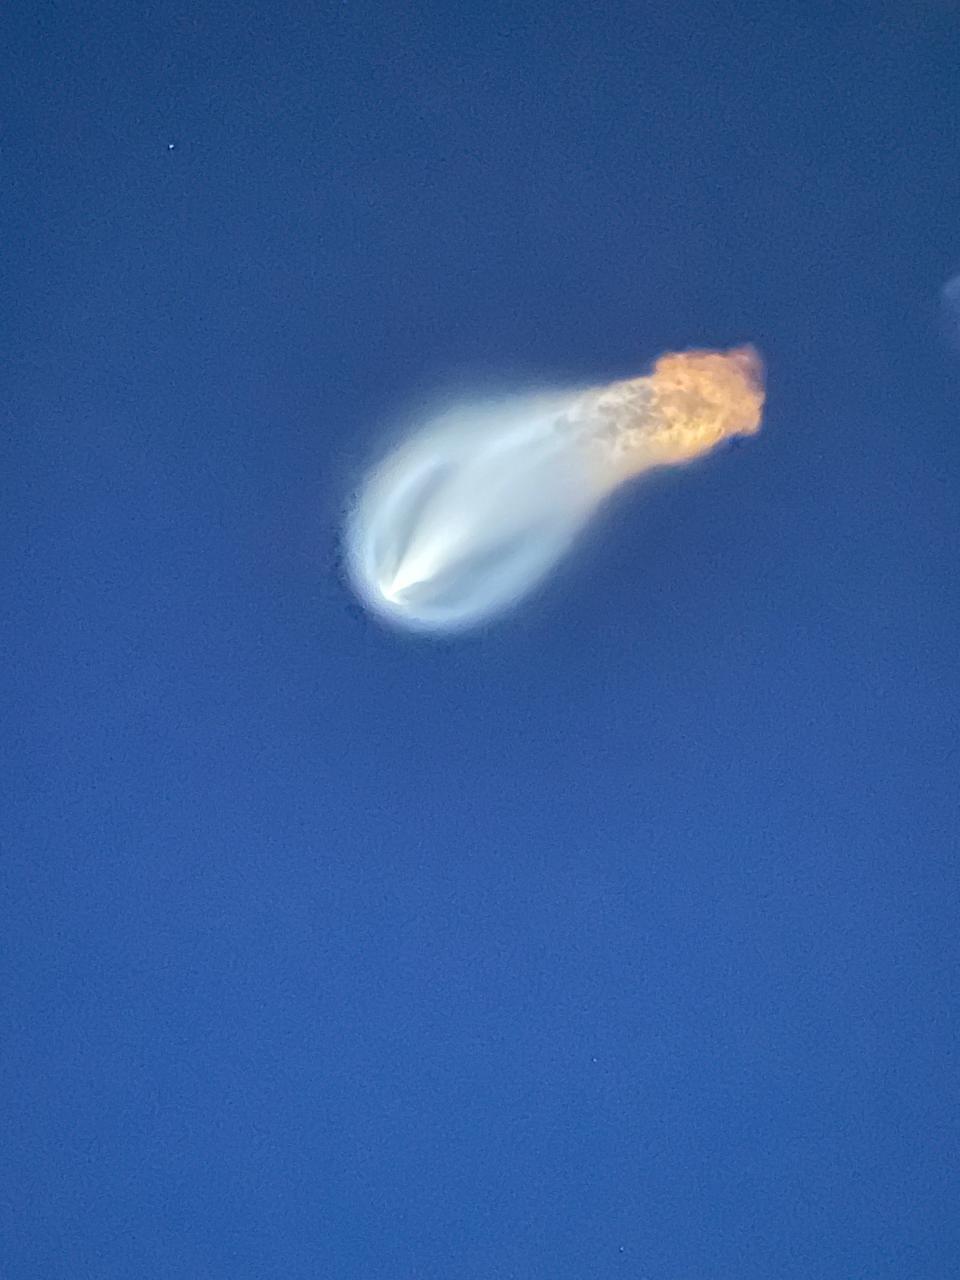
x,y
619,939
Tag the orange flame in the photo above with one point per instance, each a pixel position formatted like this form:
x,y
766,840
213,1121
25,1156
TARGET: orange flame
x,y
691,402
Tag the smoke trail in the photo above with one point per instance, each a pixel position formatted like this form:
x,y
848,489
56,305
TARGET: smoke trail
x,y
473,511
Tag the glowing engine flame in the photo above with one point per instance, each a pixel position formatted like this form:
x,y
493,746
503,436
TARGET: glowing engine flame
x,y
472,512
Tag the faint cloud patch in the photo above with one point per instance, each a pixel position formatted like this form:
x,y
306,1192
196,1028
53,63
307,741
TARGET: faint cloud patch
x,y
950,301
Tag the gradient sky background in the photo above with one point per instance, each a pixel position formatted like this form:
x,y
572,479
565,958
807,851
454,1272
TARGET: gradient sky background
x,y
620,940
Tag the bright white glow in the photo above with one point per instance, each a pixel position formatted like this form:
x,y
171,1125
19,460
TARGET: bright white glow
x,y
472,512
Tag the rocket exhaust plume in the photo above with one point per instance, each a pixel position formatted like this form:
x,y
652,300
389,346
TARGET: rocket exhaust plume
x,y
472,512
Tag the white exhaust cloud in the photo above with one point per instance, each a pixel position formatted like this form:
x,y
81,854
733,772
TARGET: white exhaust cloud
x,y
473,511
